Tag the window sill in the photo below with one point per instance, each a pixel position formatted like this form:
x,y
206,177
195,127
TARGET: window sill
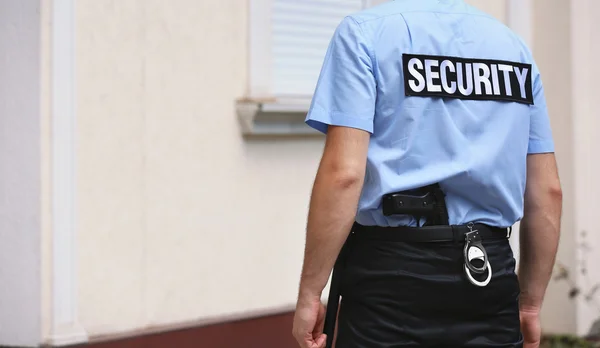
x,y
268,117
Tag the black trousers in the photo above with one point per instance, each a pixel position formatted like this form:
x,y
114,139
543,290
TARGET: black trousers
x,y
404,294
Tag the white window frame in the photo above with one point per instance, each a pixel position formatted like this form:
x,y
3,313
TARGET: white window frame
x,y
66,328
260,112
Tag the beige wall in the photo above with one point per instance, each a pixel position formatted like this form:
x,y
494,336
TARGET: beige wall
x,y
179,218
496,8
551,43
46,167
161,238
585,92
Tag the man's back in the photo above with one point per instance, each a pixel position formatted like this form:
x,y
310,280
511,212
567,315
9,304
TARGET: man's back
x,y
423,99
454,106
436,111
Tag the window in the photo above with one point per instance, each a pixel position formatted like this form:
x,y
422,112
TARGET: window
x,y
288,40
301,31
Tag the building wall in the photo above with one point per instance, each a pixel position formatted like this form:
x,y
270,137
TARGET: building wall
x,y
551,50
585,91
179,218
496,8
20,155
45,138
168,228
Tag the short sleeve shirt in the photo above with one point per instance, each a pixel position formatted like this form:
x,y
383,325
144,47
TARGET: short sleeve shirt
x,y
448,94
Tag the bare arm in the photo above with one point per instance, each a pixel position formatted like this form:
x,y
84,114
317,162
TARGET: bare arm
x,y
540,229
333,205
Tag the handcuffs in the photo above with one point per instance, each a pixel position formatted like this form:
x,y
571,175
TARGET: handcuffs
x,y
474,250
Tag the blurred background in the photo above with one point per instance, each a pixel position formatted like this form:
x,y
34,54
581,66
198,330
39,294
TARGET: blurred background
x,y
155,169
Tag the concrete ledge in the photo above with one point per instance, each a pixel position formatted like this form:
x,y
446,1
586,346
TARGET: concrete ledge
x,y
274,117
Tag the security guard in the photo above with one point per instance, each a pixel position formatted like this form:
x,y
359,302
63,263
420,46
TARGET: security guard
x,y
438,141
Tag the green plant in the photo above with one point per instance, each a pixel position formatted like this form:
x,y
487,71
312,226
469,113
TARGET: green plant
x,y
565,341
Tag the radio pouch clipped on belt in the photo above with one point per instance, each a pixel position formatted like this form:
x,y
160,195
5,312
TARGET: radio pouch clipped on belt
x,y
427,202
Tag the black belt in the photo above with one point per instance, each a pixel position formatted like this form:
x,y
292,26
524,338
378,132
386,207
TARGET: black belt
x,y
428,234
471,235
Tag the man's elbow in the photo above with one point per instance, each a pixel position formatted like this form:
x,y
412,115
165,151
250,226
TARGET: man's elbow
x,y
348,179
555,192
343,177
543,199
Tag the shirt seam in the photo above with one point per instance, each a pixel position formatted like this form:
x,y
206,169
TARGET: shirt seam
x,y
334,112
407,28
370,49
541,141
341,119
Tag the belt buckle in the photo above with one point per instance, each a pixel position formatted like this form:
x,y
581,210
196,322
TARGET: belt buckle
x,y
474,250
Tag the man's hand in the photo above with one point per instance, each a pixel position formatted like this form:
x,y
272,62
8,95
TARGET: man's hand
x,y
530,328
308,322
333,207
539,232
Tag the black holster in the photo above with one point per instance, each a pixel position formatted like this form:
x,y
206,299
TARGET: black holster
x,y
335,291
427,202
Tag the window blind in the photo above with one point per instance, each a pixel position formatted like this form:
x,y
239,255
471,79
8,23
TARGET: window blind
x,y
301,32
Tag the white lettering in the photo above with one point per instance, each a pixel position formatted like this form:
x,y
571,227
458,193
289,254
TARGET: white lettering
x,y
522,77
495,80
430,75
448,88
507,69
481,74
416,74
464,88
466,78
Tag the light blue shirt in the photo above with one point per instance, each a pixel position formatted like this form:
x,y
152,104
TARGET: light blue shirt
x,y
473,145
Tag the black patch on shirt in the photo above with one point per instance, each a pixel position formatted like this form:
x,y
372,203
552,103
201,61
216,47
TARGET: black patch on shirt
x,y
467,78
